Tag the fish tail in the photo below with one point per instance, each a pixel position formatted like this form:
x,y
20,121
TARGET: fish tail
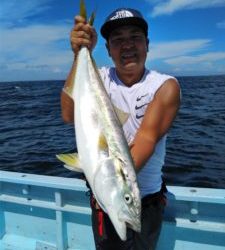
x,y
83,11
92,18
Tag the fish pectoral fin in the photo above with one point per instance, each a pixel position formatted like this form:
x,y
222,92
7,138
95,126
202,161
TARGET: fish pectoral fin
x,y
122,116
73,168
71,161
102,143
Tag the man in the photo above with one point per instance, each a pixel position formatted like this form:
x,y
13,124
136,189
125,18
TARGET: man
x,y
152,100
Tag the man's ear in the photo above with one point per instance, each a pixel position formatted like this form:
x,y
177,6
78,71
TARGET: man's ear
x,y
108,49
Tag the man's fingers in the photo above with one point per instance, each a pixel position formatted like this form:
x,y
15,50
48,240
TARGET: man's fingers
x,y
79,19
77,42
79,34
83,34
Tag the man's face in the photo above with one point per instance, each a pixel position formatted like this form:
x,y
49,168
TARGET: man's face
x,y
128,48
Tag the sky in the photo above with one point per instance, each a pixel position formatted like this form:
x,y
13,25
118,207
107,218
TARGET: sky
x,y
187,37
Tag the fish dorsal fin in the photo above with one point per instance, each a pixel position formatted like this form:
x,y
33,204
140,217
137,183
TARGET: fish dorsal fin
x,y
68,90
122,116
102,143
71,160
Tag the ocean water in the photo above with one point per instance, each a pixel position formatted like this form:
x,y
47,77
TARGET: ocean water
x,y
32,131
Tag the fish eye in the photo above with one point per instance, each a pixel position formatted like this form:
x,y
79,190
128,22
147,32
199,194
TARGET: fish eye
x,y
128,198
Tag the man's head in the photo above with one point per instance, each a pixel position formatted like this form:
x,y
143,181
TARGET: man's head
x,y
125,31
122,17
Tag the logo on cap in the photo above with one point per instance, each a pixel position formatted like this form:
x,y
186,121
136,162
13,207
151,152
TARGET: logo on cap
x,y
122,14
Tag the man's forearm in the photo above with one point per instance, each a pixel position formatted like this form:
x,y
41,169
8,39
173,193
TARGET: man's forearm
x,y
141,150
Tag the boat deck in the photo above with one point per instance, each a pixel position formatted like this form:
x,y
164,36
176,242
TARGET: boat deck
x,y
48,213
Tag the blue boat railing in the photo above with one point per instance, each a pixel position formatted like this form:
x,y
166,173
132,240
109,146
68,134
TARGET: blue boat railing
x,y
44,212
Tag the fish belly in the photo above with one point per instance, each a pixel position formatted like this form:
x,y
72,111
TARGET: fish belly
x,y
87,126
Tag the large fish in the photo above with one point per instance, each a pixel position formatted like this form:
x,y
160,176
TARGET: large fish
x,y
104,155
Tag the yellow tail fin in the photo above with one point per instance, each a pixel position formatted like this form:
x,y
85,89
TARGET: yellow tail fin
x,y
83,13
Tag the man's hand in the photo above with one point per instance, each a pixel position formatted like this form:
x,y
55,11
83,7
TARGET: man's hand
x,y
83,34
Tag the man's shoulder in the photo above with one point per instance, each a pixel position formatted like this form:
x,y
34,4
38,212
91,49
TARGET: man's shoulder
x,y
162,78
157,74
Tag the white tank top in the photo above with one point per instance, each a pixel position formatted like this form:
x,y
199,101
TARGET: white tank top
x,y
134,100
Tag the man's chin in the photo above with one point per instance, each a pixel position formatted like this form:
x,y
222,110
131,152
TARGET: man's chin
x,y
130,65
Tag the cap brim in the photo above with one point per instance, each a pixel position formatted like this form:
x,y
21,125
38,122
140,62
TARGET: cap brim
x,y
109,26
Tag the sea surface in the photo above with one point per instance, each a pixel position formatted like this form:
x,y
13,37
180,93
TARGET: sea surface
x,y
32,131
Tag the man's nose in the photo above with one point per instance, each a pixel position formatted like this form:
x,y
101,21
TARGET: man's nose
x,y
127,42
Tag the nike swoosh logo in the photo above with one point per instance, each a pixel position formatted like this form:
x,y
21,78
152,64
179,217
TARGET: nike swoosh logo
x,y
139,116
140,97
139,107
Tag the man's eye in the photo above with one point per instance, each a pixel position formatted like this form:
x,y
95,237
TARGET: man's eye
x,y
117,40
137,37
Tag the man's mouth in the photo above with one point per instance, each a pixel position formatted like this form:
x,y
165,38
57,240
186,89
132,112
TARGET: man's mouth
x,y
127,56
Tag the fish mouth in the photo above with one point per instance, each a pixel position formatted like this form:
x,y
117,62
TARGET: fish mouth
x,y
136,226
131,222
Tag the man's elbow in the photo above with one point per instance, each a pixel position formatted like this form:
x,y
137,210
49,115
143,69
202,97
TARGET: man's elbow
x,y
67,108
68,117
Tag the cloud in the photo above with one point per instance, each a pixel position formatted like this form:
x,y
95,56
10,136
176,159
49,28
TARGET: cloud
x,y
186,57
15,12
206,59
31,46
176,48
32,36
36,48
221,25
171,6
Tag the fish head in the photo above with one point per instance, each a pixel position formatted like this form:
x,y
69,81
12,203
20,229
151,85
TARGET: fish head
x,y
119,197
130,210
124,209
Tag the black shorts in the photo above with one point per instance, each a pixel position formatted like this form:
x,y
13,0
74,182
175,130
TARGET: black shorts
x,y
106,237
